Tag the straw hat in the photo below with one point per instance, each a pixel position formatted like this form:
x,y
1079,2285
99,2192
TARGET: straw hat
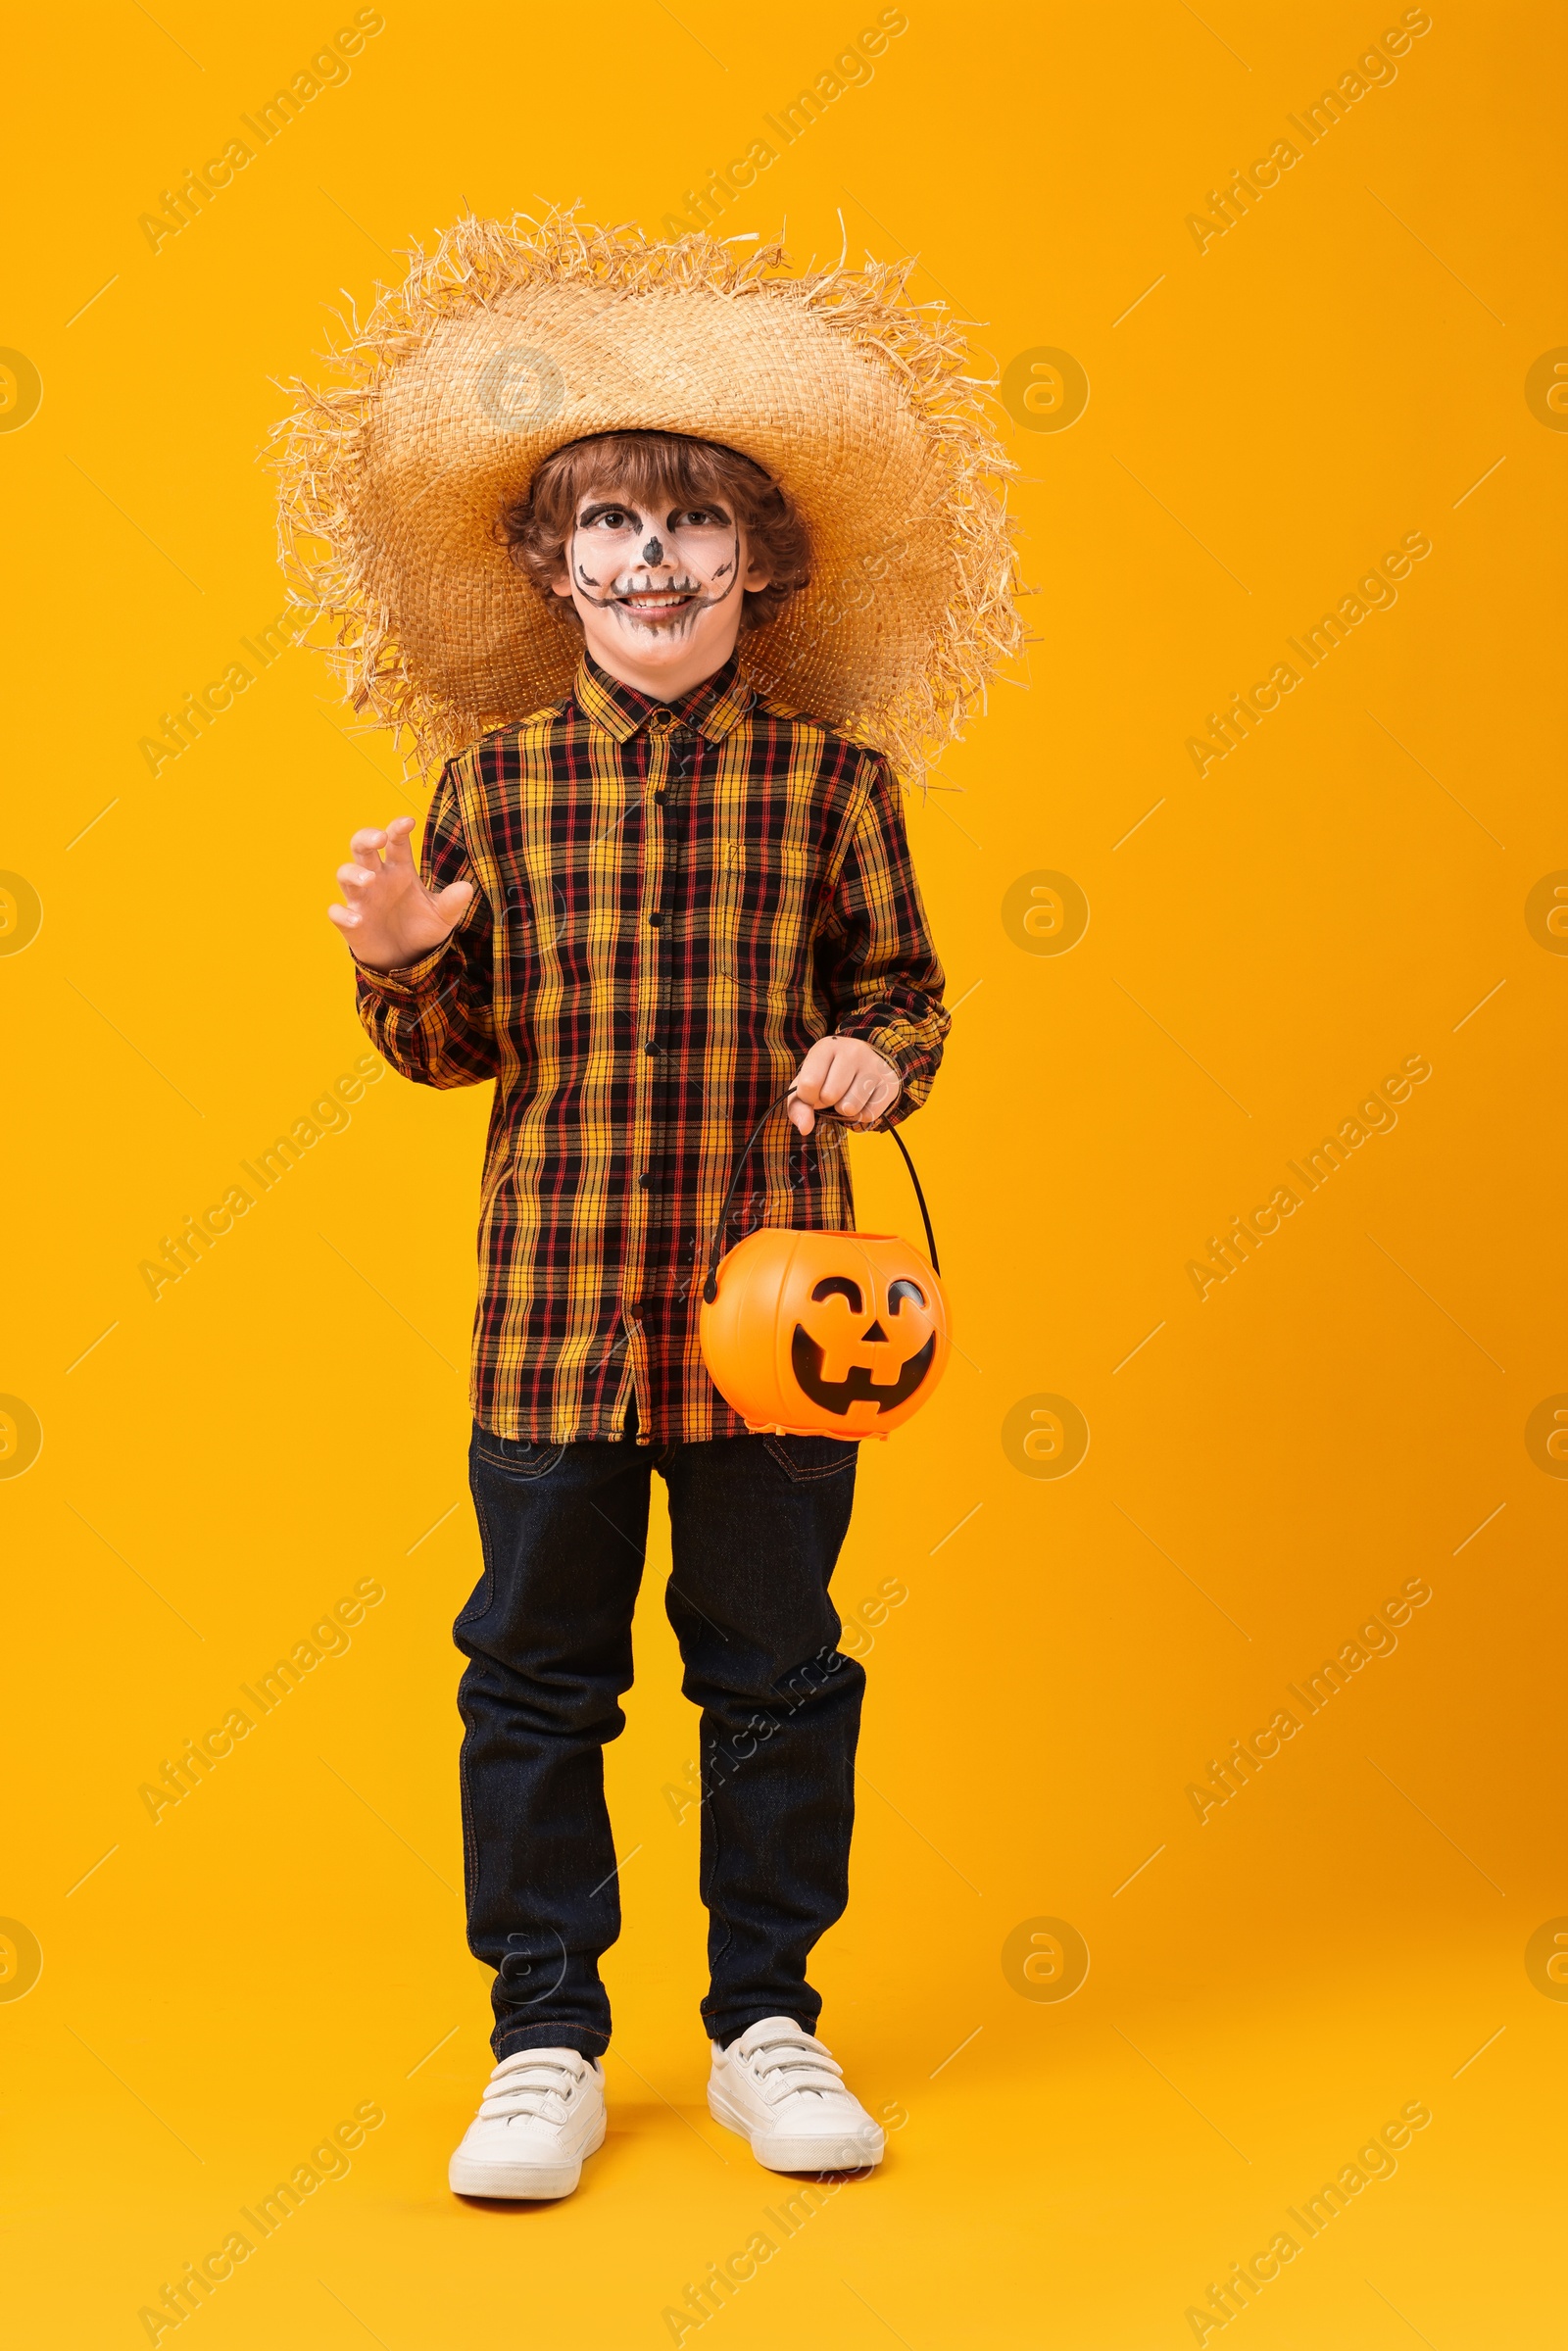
x,y
509,339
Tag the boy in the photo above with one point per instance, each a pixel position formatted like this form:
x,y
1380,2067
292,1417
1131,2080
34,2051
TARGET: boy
x,y
642,910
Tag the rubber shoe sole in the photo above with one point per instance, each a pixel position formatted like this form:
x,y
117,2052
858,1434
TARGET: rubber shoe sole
x,y
839,2151
519,2182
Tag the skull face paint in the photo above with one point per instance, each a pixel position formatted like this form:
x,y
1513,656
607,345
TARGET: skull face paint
x,y
650,585
657,586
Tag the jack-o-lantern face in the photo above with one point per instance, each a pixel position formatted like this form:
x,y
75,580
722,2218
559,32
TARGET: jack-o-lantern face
x,y
837,1363
825,1334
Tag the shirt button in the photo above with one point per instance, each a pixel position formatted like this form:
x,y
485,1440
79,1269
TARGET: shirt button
x,y
650,1047
645,1182
661,794
655,921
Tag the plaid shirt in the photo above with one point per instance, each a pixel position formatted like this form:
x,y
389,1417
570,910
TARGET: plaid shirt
x,y
671,904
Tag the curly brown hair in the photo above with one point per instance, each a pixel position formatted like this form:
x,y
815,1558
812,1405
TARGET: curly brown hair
x,y
534,528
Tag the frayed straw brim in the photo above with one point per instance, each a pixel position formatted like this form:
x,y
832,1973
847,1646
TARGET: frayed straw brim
x,y
509,339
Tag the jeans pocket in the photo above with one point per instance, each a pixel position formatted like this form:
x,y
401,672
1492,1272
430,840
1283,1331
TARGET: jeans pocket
x,y
523,1458
803,1459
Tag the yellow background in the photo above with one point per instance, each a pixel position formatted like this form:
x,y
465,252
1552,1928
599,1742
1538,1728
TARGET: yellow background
x,y
218,1990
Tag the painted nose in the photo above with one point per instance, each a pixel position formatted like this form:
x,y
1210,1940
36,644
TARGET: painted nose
x,y
875,1332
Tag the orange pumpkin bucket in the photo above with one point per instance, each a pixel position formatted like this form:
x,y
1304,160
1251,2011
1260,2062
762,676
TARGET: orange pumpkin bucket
x,y
809,1334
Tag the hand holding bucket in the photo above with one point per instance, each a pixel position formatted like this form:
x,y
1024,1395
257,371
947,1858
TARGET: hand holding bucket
x,y
809,1334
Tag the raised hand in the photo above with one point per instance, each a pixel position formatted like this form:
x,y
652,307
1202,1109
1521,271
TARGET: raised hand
x,y
847,1075
391,917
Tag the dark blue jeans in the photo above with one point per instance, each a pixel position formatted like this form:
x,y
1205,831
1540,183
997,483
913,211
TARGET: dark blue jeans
x,y
757,1521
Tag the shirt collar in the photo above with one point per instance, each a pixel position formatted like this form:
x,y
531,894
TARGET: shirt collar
x,y
714,708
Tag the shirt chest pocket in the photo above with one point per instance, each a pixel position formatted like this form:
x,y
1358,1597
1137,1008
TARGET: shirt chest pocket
x,y
758,909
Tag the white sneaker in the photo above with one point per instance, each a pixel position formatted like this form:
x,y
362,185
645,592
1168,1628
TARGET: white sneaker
x,y
781,2090
542,2112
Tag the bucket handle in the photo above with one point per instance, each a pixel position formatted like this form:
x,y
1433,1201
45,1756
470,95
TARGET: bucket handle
x,y
710,1286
